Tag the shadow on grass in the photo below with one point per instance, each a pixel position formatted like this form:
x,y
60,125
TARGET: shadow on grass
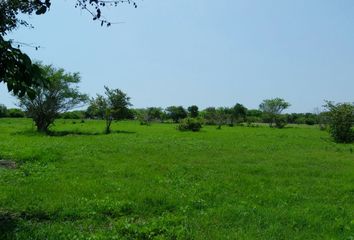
x,y
8,224
68,133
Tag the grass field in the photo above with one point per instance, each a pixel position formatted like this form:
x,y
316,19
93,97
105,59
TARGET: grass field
x,y
154,182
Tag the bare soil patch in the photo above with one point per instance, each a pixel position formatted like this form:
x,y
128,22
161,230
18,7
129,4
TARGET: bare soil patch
x,y
7,164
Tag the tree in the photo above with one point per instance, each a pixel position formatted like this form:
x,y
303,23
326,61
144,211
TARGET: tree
x,y
341,118
272,108
239,113
193,111
16,68
145,116
59,95
176,113
114,106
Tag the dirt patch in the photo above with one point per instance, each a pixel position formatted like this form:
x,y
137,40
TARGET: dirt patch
x,y
7,164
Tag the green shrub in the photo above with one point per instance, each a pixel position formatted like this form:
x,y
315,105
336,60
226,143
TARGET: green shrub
x,y
341,118
190,124
280,121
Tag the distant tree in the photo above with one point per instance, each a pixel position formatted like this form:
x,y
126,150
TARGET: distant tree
x,y
209,115
176,113
341,118
15,113
221,116
3,111
272,108
59,95
239,113
253,116
114,106
193,111
146,116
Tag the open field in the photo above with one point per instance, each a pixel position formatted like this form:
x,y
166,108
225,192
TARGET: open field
x,y
153,182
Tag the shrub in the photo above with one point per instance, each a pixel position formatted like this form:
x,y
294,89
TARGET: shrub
x,y
190,124
341,117
280,121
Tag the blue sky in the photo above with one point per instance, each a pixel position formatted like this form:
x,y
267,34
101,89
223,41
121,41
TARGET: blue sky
x,y
208,53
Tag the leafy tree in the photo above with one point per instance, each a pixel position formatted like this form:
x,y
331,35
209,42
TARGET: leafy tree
x,y
16,68
239,113
193,111
341,118
3,111
59,95
114,106
272,108
176,113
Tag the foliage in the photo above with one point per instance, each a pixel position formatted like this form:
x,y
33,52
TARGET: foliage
x,y
114,106
190,124
146,116
3,111
17,71
280,121
193,111
239,113
176,113
341,118
271,108
209,115
59,95
15,113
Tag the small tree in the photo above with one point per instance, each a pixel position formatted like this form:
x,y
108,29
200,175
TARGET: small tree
x,y
112,107
272,108
60,94
341,118
193,111
239,113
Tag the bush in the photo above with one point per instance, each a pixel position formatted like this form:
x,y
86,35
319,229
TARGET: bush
x,y
341,117
190,124
280,121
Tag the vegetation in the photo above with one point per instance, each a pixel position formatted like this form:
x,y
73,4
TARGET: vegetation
x,y
17,70
176,113
272,108
59,95
158,183
114,106
190,124
193,111
341,119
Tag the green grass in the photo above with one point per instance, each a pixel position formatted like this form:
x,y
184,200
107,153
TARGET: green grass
x,y
154,182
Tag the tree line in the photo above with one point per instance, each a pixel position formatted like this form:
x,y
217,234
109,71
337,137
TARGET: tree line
x,y
61,94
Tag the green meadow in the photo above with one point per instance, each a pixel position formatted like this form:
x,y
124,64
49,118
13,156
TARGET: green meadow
x,y
154,182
